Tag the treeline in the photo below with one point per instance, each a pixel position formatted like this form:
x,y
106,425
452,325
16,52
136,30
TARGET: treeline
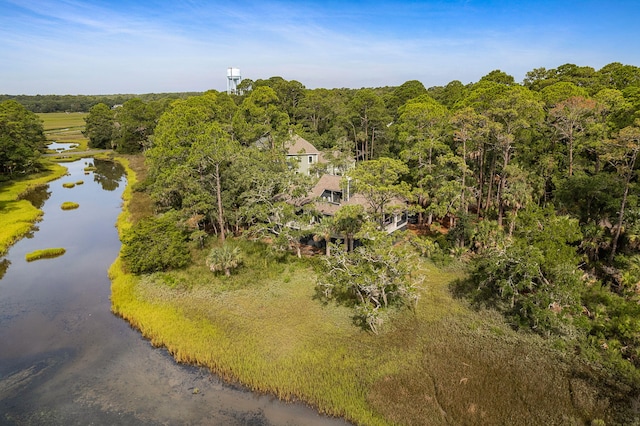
x,y
82,103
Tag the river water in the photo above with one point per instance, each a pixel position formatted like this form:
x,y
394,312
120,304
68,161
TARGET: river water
x,y
66,360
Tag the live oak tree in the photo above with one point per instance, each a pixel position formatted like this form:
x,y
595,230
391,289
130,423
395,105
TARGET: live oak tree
x,y
373,277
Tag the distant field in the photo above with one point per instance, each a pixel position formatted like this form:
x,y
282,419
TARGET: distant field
x,y
64,127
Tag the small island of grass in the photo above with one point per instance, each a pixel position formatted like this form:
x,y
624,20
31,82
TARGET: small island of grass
x,y
45,254
68,185
69,205
80,182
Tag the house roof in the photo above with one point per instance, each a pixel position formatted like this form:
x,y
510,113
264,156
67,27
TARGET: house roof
x,y
330,182
298,145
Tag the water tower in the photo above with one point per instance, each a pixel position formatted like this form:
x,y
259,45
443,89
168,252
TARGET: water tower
x,y
233,79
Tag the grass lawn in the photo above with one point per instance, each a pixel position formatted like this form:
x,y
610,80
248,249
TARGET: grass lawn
x,y
442,364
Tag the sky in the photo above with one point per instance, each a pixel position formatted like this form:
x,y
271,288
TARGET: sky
x,y
153,46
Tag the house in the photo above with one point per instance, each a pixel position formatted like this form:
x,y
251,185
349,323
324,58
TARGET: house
x,y
311,161
304,153
332,192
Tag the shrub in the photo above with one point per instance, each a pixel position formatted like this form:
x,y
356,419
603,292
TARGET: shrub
x,y
224,258
155,244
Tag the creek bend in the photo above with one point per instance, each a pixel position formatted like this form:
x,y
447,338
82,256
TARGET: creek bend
x,y
66,359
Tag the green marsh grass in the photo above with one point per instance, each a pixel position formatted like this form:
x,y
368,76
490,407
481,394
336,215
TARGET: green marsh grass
x,y
68,185
17,215
45,254
65,128
80,182
69,205
441,364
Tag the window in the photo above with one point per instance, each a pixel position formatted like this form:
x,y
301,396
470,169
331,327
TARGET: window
x,y
311,159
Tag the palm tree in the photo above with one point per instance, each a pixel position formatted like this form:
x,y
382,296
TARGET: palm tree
x,y
224,258
322,232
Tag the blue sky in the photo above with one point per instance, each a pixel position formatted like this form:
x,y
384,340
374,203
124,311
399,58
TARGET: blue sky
x,y
123,46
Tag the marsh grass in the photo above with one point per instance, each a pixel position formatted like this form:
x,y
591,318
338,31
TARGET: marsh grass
x,y
441,364
80,182
45,254
18,215
69,205
68,185
65,128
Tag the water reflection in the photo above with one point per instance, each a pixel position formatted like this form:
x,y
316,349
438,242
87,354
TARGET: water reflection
x,y
108,174
4,265
37,196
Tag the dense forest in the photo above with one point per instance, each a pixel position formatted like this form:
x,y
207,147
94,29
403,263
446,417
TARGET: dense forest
x,y
532,185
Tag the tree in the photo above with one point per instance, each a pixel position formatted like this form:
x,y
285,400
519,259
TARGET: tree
x,y
471,130
532,278
371,278
348,221
571,118
408,90
622,152
99,126
368,117
259,117
323,231
135,123
422,128
21,139
155,244
379,182
555,93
